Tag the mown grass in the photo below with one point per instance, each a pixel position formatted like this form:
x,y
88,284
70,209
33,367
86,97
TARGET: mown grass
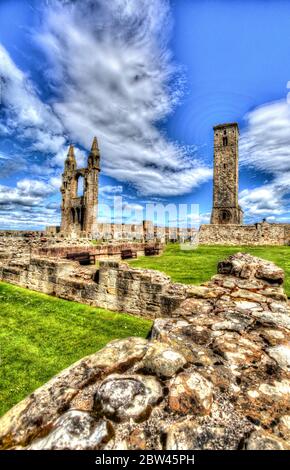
x,y
197,266
41,335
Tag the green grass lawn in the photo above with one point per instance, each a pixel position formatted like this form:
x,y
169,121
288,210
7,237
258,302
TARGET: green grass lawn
x,y
197,266
41,335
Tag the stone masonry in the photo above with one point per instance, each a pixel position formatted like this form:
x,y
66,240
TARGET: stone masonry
x,y
259,234
226,225
79,212
226,209
214,375
113,285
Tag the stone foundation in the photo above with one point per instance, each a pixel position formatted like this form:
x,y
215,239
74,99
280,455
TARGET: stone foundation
x,y
214,376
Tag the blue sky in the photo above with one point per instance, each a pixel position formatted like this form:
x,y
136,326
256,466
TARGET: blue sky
x,y
150,79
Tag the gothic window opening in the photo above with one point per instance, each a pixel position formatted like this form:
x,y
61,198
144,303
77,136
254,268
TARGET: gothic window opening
x,y
80,191
225,141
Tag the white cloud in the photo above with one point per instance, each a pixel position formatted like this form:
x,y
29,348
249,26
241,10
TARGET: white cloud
x,y
26,193
262,201
109,189
55,182
108,192
24,113
58,159
28,218
3,157
11,165
114,71
265,146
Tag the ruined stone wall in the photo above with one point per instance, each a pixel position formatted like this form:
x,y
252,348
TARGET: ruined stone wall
x,y
287,234
214,376
258,234
145,231
114,286
21,233
79,212
104,250
52,230
138,291
60,247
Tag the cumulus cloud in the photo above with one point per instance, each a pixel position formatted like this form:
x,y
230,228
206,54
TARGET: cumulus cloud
x,y
265,146
263,201
266,143
23,112
19,218
109,189
26,193
9,165
58,159
115,75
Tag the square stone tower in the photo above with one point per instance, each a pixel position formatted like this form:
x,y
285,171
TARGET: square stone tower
x,y
226,209
79,211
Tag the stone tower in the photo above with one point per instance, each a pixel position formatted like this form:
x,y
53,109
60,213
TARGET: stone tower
x,y
226,209
80,203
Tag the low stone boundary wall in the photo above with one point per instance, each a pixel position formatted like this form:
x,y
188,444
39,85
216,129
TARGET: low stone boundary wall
x,y
114,286
235,235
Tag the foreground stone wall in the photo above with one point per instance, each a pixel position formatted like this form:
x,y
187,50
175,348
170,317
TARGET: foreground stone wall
x,y
213,376
114,285
258,234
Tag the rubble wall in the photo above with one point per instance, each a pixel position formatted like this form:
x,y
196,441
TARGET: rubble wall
x,y
114,286
238,235
213,376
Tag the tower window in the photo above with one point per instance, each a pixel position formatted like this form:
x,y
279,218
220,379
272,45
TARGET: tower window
x,y
80,183
225,141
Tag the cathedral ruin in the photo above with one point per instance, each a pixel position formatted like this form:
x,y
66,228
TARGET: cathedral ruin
x,y
79,208
79,211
